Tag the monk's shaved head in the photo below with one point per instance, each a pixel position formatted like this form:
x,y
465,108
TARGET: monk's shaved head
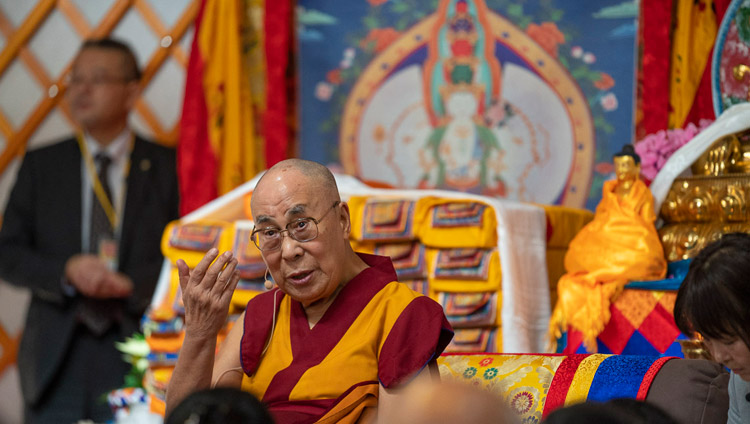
x,y
319,177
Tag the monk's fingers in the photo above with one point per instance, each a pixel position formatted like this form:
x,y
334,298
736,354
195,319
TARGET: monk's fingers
x,y
231,285
201,270
183,271
224,277
214,271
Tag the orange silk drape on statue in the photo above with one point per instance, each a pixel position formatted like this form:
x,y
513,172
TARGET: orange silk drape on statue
x,y
620,245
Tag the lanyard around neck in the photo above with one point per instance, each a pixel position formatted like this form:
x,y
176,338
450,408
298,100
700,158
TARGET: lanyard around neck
x,y
101,195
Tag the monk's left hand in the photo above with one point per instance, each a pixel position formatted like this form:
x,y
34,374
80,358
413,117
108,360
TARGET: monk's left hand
x,y
207,291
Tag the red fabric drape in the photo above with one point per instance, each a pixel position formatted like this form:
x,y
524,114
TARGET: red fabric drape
x,y
656,29
196,163
277,24
703,106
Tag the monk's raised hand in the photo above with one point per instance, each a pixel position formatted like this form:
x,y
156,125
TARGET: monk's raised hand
x,y
207,291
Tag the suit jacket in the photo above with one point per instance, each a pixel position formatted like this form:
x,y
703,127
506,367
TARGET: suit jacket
x,y
42,230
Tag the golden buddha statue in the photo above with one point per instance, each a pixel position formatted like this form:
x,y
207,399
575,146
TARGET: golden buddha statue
x,y
730,154
619,245
700,208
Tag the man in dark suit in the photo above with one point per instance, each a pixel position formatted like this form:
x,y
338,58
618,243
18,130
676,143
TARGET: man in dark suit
x,y
82,230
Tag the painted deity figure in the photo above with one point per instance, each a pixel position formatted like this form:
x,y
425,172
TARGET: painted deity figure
x,y
461,79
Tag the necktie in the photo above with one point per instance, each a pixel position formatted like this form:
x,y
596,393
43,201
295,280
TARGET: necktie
x,y
101,227
98,315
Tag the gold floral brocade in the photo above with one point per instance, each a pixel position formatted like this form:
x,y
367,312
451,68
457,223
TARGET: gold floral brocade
x,y
522,380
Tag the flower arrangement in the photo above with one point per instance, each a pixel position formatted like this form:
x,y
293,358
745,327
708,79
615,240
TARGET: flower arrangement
x,y
655,149
135,350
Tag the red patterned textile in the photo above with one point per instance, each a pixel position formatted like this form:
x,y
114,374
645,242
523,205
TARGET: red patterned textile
x,y
703,106
278,33
641,323
558,390
197,165
655,26
649,377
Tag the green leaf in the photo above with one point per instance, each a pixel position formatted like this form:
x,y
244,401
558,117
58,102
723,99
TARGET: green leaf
x,y
564,61
399,6
579,73
314,17
515,10
524,21
370,22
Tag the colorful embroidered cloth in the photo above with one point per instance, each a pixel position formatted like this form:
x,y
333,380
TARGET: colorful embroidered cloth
x,y
249,262
408,257
464,270
471,309
190,241
382,219
451,223
534,385
476,340
641,323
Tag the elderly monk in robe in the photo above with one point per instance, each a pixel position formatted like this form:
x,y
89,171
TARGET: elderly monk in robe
x,y
620,245
334,339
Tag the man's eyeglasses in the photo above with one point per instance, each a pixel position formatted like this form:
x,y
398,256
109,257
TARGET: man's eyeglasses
x,y
303,229
76,80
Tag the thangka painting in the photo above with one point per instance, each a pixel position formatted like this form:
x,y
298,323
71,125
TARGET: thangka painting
x,y
730,72
524,100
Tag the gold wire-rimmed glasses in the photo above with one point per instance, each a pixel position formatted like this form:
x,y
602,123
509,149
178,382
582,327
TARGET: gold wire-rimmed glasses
x,y
268,239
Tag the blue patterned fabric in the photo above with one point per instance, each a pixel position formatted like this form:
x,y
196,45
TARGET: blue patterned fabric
x,y
619,376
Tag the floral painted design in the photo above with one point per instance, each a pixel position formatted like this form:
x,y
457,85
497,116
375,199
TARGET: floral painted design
x,y
380,38
470,372
546,35
605,81
609,102
522,402
485,362
490,373
526,403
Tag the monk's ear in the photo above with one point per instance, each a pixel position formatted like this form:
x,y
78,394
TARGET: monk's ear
x,y
345,219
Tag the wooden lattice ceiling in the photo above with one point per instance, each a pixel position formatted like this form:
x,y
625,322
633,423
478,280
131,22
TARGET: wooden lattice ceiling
x,y
54,86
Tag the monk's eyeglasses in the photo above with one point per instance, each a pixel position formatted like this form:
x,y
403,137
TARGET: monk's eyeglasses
x,y
303,230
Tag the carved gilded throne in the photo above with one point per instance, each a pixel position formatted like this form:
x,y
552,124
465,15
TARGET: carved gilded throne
x,y
712,202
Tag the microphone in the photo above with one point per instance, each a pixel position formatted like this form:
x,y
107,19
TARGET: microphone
x,y
268,284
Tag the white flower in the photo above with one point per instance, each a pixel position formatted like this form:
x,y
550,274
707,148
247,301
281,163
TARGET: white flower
x,y
323,91
576,51
609,102
589,58
134,347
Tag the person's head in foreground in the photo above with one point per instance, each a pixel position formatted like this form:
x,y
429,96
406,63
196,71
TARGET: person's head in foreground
x,y
714,301
221,405
302,229
616,411
449,402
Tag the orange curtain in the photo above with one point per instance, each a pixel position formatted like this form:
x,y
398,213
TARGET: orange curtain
x,y
218,147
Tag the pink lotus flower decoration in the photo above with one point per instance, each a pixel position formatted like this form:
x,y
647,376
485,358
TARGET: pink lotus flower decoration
x,y
655,149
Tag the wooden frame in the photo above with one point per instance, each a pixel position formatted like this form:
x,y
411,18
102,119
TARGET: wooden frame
x,y
54,87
